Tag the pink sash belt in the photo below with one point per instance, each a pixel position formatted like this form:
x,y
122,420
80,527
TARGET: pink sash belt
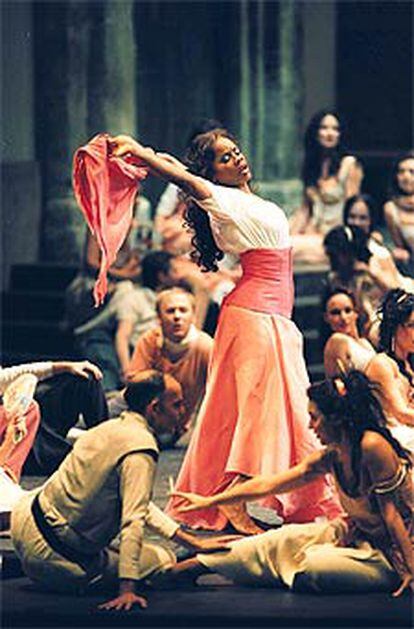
x,y
267,282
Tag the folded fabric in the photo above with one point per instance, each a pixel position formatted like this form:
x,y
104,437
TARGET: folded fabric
x,y
105,187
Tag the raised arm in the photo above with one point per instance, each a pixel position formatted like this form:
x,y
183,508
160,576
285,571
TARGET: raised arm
x,y
305,472
162,165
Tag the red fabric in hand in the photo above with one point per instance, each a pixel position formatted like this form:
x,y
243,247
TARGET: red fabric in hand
x,y
105,187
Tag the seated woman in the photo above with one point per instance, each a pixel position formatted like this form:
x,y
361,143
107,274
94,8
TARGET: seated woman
x,y
345,348
353,266
369,549
399,209
392,370
359,211
330,176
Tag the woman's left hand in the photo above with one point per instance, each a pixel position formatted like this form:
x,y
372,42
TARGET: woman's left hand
x,y
194,501
84,369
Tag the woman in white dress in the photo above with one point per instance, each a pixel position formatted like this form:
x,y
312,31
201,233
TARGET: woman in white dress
x,y
253,418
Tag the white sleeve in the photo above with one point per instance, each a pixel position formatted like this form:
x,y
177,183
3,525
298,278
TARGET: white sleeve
x,y
160,522
9,374
222,204
168,201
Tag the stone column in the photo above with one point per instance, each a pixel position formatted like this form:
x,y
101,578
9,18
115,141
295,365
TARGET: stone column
x,y
62,115
290,98
90,88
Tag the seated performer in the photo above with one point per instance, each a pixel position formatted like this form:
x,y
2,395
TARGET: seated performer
x,y
176,347
66,389
370,549
63,531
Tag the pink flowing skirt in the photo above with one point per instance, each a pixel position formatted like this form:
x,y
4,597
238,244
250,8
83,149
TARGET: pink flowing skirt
x,y
253,419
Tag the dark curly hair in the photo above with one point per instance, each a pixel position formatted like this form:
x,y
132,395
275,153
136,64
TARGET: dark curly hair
x,y
394,189
315,153
369,202
349,403
344,245
395,310
199,158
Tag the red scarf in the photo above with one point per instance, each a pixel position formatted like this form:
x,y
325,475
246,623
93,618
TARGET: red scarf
x,y
105,187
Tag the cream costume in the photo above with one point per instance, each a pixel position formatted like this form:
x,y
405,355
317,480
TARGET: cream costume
x,y
348,554
102,489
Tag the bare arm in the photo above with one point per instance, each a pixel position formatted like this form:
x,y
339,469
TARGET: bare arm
x,y
122,336
336,355
382,464
307,471
382,372
162,165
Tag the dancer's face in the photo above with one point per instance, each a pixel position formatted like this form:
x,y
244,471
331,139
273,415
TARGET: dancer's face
x,y
341,315
318,424
176,312
404,336
405,176
230,165
329,132
167,414
359,216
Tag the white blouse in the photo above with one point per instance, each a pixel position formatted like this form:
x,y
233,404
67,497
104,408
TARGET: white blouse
x,y
241,221
9,374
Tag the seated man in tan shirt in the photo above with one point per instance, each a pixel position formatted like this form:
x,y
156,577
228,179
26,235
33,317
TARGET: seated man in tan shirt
x,y
64,531
178,348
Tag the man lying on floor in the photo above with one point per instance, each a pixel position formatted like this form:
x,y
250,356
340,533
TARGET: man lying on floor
x,y
63,532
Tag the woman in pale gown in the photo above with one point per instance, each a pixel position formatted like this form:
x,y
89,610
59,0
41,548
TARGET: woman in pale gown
x,y
359,211
399,209
253,419
330,176
347,349
392,370
368,550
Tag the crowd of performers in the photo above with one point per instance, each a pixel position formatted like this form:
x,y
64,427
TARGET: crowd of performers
x,y
333,460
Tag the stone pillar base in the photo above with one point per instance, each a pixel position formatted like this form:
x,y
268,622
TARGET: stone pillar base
x,y
64,231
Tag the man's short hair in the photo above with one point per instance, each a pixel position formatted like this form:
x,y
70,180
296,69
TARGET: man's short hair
x,y
176,288
148,385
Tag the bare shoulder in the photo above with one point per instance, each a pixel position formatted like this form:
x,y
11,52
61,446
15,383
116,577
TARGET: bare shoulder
x,y
381,366
378,454
337,341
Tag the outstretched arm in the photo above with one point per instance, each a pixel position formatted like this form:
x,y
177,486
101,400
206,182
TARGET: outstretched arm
x,y
162,165
307,471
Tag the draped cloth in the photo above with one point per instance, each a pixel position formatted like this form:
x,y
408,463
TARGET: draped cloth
x,y
105,188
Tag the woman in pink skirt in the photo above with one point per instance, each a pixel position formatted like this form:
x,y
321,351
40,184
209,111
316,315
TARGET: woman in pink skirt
x,y
254,418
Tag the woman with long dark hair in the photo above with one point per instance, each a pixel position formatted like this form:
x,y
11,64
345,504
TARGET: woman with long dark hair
x,y
360,211
399,209
330,176
371,548
253,418
392,369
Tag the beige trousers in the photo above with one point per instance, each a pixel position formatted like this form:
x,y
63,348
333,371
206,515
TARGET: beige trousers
x,y
48,568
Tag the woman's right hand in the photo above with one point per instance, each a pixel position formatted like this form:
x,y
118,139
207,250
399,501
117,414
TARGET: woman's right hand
x,y
192,502
122,145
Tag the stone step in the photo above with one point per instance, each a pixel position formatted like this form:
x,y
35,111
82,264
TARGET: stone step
x,y
36,305
309,280
307,312
36,337
41,277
